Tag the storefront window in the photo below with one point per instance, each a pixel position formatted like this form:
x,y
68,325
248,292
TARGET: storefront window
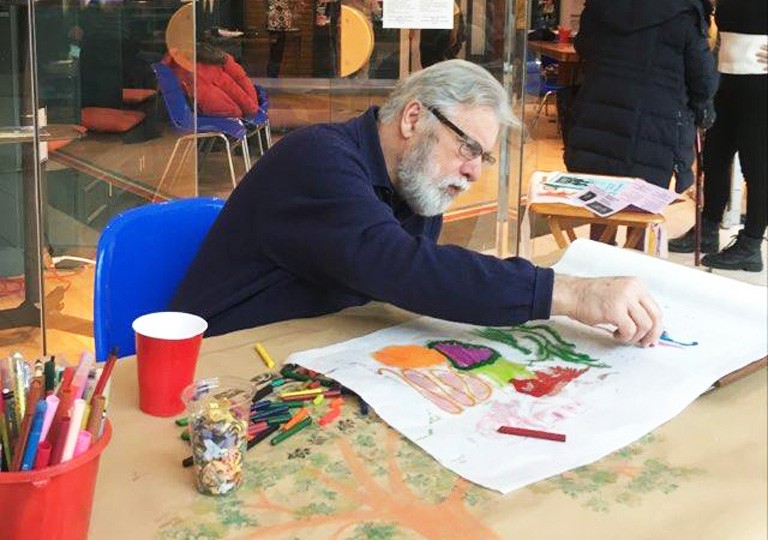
x,y
121,123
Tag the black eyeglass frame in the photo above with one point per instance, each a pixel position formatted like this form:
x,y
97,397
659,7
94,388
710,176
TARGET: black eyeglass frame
x,y
469,148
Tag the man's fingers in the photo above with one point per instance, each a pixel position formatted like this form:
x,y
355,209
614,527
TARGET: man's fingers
x,y
625,328
654,334
643,322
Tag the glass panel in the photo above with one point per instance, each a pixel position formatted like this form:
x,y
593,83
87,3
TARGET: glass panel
x,y
96,82
20,250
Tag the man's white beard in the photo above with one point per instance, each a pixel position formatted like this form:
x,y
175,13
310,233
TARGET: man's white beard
x,y
418,183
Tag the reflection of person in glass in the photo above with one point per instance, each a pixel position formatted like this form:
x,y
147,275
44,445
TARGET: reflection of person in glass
x,y
280,19
436,45
325,38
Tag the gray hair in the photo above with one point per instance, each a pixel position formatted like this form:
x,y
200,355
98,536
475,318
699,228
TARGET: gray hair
x,y
447,84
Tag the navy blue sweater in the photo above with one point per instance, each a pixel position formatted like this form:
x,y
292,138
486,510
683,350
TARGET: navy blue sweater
x,y
316,226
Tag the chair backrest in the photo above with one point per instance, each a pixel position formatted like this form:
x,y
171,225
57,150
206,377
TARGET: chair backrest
x,y
179,110
141,257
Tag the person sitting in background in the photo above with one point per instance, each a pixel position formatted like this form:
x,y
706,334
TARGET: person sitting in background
x,y
223,88
649,80
338,215
741,126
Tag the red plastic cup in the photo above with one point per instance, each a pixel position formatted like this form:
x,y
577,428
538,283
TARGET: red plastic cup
x,y
563,34
167,345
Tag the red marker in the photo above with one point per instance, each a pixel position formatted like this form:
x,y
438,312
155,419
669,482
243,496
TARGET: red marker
x,y
532,433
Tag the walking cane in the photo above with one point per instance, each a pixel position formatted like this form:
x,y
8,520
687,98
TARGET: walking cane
x,y
699,196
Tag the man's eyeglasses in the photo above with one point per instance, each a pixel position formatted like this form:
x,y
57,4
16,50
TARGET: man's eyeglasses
x,y
469,148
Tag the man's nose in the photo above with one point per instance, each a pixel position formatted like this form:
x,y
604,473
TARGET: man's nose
x,y
471,169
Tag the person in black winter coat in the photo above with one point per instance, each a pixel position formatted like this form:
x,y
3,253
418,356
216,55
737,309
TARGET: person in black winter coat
x,y
649,80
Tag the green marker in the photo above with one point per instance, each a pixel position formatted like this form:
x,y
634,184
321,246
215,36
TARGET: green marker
x,y
277,419
295,429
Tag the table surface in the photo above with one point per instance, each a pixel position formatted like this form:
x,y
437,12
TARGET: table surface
x,y
564,52
51,132
700,476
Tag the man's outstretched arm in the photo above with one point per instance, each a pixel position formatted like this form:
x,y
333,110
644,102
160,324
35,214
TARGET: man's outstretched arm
x,y
619,301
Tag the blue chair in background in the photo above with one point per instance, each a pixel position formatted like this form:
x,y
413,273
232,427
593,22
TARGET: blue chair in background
x,y
259,123
541,81
141,257
232,131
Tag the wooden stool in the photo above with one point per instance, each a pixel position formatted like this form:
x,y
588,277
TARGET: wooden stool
x,y
562,218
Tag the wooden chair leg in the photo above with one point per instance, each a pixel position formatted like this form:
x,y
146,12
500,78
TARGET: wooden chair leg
x,y
557,232
608,233
635,237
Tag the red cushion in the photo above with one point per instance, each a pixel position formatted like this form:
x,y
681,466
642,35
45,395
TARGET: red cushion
x,y
134,96
61,143
110,120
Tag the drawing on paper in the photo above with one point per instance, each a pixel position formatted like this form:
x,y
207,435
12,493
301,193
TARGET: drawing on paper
x,y
563,377
454,375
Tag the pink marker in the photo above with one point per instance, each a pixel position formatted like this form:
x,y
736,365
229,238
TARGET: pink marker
x,y
50,411
83,443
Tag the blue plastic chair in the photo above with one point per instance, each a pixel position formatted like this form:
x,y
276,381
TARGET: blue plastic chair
x,y
538,82
183,118
259,123
142,255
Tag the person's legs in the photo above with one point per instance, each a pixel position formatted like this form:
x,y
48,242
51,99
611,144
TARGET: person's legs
x,y
276,49
718,152
753,139
745,252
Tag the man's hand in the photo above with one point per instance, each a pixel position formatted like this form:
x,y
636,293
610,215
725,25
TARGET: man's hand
x,y
619,301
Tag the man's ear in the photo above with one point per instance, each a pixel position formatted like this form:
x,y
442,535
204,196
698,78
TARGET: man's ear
x,y
409,118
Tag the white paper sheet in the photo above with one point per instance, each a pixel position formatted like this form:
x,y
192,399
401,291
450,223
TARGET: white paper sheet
x,y
600,411
417,14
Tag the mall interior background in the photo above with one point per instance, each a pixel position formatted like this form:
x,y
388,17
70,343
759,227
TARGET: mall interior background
x,y
103,137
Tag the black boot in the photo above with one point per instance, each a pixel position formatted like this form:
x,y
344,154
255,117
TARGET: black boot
x,y
742,254
710,239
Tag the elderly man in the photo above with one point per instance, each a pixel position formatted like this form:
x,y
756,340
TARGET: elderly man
x,y
336,215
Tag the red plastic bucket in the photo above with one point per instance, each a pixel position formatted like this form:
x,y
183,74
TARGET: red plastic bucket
x,y
52,503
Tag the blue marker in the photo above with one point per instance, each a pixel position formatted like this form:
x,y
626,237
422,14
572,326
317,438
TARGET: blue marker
x,y
34,436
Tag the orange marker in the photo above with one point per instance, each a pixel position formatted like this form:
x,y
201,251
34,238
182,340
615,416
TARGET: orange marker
x,y
300,415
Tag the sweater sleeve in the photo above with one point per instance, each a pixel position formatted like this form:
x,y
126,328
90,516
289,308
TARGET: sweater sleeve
x,y
328,227
700,77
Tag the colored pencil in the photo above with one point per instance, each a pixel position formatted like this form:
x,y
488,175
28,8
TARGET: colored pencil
x,y
295,429
105,374
265,356
532,433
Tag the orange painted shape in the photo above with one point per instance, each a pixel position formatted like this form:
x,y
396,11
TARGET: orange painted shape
x,y
409,356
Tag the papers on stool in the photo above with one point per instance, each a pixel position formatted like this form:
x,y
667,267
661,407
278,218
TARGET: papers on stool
x,y
604,195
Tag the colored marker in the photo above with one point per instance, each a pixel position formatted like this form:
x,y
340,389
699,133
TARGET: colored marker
x,y
261,393
34,436
295,429
106,372
78,408
265,356
330,416
83,443
300,415
50,411
306,392
43,455
532,433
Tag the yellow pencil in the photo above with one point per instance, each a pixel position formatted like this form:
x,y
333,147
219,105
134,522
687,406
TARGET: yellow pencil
x,y
265,356
308,392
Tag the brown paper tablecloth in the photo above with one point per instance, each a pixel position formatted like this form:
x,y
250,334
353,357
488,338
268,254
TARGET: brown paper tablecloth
x,y
700,476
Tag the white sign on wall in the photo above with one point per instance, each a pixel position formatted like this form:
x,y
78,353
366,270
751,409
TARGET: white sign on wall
x,y
432,14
